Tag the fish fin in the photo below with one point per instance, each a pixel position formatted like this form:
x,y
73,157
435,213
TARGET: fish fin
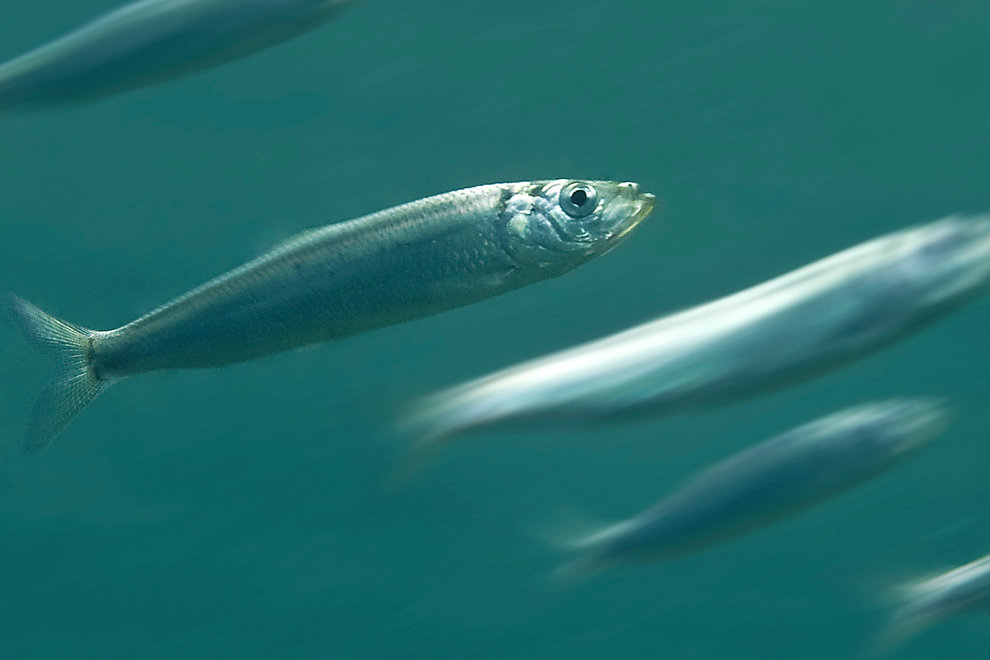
x,y
74,383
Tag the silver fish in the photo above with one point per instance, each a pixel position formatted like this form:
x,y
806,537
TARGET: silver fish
x,y
926,602
153,40
796,326
767,482
406,262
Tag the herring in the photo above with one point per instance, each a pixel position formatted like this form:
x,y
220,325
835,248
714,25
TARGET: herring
x,y
152,40
796,326
926,602
406,262
767,482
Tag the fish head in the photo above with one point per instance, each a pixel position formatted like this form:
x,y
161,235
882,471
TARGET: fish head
x,y
557,225
944,261
901,427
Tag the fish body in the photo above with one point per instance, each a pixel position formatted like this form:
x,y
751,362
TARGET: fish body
x,y
771,480
796,326
410,261
153,40
926,602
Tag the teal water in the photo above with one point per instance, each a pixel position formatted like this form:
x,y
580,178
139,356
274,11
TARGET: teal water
x,y
239,512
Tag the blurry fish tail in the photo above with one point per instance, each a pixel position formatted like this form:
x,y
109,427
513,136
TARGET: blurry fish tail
x,y
903,625
578,570
436,419
572,532
892,636
75,382
430,430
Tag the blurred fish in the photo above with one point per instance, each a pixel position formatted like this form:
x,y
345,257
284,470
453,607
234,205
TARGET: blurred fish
x,y
406,262
798,325
925,603
153,40
767,482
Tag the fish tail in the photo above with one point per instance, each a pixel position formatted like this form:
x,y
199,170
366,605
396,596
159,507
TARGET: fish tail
x,y
427,430
434,421
75,382
902,625
894,634
587,539
578,570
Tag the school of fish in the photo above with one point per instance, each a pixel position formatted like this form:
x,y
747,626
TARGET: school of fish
x,y
462,247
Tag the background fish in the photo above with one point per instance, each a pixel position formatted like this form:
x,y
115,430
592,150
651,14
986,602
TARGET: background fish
x,y
798,325
153,40
926,602
768,481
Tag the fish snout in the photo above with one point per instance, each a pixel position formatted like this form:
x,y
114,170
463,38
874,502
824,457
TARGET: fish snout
x,y
919,421
646,201
628,209
643,203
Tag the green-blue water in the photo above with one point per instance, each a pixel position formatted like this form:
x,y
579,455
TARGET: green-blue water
x,y
239,513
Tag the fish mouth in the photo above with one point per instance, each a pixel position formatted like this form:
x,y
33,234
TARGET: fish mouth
x,y
643,203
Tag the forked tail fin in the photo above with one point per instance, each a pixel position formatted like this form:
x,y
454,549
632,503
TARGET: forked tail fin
x,y
74,383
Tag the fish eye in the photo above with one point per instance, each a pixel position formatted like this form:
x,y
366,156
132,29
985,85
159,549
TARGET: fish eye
x,y
578,199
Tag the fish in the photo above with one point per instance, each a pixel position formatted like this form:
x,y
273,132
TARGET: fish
x,y
406,262
800,325
925,602
149,41
766,482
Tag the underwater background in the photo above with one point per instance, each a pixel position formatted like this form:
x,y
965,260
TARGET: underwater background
x,y
240,512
